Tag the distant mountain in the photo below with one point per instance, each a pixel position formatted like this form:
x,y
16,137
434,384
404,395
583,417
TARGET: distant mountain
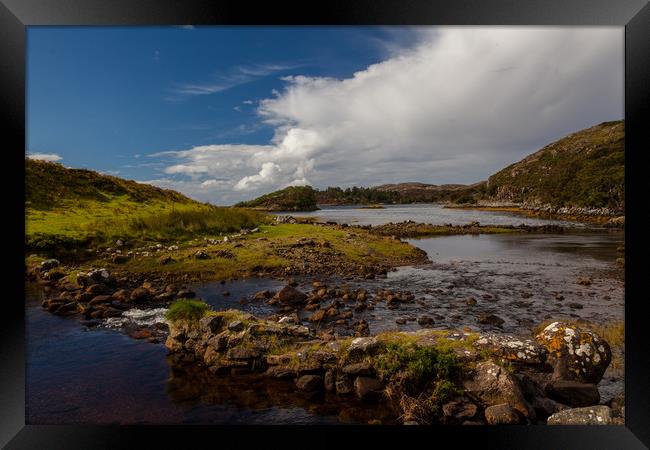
x,y
583,169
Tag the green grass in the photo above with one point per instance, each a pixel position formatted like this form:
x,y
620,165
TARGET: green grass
x,y
187,310
420,364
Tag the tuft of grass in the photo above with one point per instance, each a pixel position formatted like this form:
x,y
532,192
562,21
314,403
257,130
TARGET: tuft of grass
x,y
419,364
187,310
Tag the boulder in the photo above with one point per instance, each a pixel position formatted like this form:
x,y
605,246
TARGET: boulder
x,y
201,254
139,294
490,319
211,324
512,348
163,260
185,293
459,409
367,388
236,325
425,321
101,299
594,415
573,393
50,264
343,385
310,383
362,368
502,414
289,295
492,385
575,353
362,346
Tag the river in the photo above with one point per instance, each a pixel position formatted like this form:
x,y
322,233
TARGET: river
x,y
77,375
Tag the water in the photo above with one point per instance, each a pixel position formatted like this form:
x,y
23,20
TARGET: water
x,y
75,375
424,213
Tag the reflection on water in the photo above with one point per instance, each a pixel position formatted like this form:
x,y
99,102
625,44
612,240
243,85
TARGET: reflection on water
x,y
425,213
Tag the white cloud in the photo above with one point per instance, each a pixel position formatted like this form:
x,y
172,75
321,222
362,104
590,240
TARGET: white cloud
x,y
52,157
456,107
247,102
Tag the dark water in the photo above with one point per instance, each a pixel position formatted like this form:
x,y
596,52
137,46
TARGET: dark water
x,y
104,376
425,213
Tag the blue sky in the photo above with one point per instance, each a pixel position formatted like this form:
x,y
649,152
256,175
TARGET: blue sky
x,y
226,113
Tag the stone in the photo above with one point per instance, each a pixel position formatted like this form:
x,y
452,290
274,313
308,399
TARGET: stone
x,y
289,295
263,295
545,407
573,393
594,415
242,353
100,299
343,386
121,295
139,294
459,409
211,324
163,260
471,301
502,414
310,383
492,385
328,381
50,264
575,353
236,325
425,321
185,293
362,368
512,348
120,259
201,254
361,346
490,319
318,316
368,389
584,281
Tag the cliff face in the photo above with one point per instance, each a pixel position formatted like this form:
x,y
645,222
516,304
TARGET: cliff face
x,y
585,169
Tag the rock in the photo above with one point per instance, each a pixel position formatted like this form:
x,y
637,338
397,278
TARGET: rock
x,y
263,295
164,260
425,321
490,319
368,388
201,254
100,299
594,415
329,381
287,319
573,393
584,281
50,264
289,295
185,293
362,368
343,386
575,305
502,414
243,353
493,385
310,383
211,324
471,301
362,346
512,348
400,321
617,404
121,295
236,325
99,275
459,409
317,316
96,289
139,294
545,407
575,353
361,328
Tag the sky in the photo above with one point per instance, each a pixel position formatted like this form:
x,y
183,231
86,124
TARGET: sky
x,y
224,114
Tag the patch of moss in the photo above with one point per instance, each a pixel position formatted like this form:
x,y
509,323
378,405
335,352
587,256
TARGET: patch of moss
x,y
187,310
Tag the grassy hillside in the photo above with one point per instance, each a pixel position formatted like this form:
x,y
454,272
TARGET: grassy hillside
x,y
293,198
69,207
584,169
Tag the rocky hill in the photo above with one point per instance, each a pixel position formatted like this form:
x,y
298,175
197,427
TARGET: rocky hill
x,y
584,169
292,198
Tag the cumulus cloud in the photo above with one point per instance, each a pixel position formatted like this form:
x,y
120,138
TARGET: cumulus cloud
x,y
52,157
455,107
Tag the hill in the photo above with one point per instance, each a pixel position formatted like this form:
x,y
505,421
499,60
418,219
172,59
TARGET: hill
x,y
583,169
66,208
292,198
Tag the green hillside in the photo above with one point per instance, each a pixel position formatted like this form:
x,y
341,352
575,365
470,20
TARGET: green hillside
x,y
68,207
584,169
292,198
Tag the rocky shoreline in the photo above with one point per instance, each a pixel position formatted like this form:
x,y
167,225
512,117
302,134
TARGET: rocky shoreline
x,y
424,377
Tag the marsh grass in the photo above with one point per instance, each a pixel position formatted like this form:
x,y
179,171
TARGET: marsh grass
x,y
188,310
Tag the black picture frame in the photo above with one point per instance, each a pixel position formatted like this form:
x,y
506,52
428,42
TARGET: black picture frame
x,y
15,15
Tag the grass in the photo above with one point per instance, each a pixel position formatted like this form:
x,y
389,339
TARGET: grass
x,y
186,310
252,255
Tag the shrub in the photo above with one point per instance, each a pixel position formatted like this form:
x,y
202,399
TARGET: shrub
x,y
190,310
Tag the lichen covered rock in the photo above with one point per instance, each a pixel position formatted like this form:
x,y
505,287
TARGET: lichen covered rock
x,y
575,353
